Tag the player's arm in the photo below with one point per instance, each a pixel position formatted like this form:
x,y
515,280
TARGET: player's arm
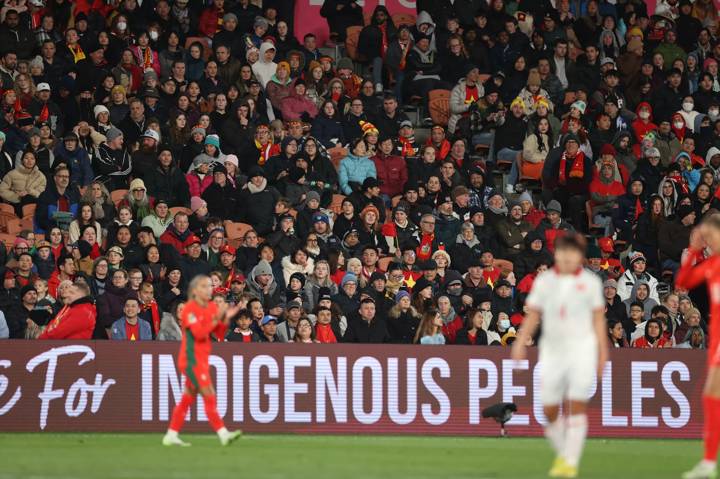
x,y
528,329
600,327
693,270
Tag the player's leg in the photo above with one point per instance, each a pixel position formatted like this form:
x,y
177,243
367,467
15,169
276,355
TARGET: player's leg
x,y
207,391
178,415
552,390
707,468
576,428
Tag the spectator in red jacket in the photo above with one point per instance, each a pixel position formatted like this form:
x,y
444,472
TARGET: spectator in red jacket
x,y
298,105
76,320
391,169
176,233
211,18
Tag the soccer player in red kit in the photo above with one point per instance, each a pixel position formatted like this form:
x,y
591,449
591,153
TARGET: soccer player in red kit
x,y
697,269
199,319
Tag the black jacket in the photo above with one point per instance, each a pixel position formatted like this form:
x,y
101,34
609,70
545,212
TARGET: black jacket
x,y
361,331
463,337
221,200
402,328
169,185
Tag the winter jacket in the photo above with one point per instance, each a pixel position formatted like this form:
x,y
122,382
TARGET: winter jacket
x,y
370,42
325,129
175,239
531,148
391,172
118,332
256,206
277,91
169,185
110,306
289,268
511,133
673,238
480,339
169,329
511,236
32,181
627,281
157,224
458,105
112,167
220,200
402,325
361,331
197,185
355,169
604,193
274,296
47,206
81,168
294,106
74,321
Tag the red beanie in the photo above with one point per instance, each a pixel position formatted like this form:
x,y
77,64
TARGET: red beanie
x,y
608,149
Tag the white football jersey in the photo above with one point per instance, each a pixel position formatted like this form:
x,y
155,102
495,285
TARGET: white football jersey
x,y
566,304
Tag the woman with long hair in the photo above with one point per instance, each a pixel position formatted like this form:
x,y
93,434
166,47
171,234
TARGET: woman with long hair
x,y
86,216
99,277
336,261
369,231
645,238
430,329
403,319
152,269
616,335
297,262
304,332
320,278
98,197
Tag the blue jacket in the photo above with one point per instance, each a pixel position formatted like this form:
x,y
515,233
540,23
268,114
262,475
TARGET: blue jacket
x,y
356,169
79,163
47,205
117,331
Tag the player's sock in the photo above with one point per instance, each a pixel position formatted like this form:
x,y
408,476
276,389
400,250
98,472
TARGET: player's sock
x,y
711,428
555,433
577,427
211,412
180,411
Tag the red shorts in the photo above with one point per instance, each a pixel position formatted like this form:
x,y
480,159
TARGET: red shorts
x,y
198,377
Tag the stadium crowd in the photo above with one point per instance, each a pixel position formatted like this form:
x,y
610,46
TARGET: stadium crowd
x,y
295,179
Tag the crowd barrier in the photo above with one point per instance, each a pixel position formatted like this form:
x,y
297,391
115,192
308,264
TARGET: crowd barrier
x,y
339,389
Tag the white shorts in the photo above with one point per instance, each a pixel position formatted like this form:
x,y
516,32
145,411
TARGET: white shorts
x,y
567,374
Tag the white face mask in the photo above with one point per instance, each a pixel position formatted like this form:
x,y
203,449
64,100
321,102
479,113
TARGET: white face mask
x,y
714,113
121,26
504,324
687,106
154,35
644,115
678,125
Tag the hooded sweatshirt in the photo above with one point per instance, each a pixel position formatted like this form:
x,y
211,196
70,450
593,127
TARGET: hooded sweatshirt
x,y
262,69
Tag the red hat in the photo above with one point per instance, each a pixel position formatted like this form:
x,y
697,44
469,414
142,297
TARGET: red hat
x,y
191,240
227,249
608,149
238,278
606,244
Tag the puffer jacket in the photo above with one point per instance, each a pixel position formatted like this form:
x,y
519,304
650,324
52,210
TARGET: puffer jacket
x,y
391,172
294,105
289,268
457,103
355,169
31,181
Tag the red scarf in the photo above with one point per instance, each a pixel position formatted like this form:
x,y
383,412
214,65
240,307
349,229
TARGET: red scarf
x,y
266,151
424,251
384,37
324,333
228,282
155,313
407,147
577,169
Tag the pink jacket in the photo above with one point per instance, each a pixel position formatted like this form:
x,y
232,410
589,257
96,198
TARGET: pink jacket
x,y
198,186
294,105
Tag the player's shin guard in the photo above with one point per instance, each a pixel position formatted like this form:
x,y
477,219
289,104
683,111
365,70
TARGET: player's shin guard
x,y
577,426
211,412
555,433
711,427
180,411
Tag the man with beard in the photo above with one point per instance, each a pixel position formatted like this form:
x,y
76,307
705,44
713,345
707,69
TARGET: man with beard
x,y
145,158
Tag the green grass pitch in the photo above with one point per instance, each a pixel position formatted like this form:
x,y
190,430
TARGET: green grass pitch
x,y
109,456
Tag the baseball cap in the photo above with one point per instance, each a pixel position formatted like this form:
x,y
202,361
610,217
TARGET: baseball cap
x,y
267,318
227,249
43,87
118,250
151,134
191,240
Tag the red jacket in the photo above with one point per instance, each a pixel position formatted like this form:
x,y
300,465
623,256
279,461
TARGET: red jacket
x,y
209,21
534,216
294,105
391,172
450,329
75,321
196,185
171,237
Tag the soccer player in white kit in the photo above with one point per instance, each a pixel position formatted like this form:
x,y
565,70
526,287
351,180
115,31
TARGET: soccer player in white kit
x,y
573,347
